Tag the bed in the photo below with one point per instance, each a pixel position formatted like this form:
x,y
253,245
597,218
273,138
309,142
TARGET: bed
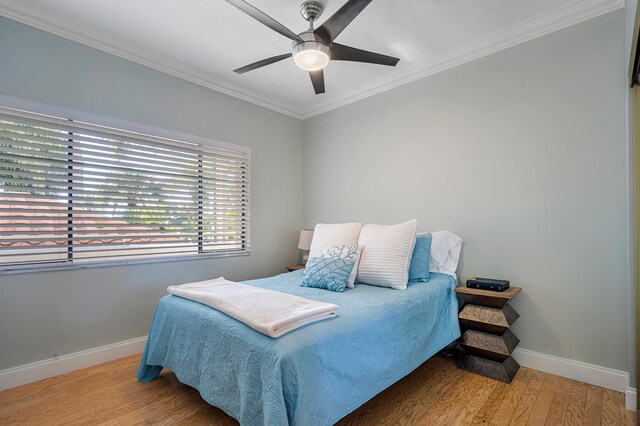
x,y
314,375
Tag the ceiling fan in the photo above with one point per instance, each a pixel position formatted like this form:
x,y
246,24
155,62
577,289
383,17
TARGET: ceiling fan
x,y
313,49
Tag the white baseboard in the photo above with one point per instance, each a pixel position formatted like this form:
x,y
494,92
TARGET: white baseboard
x,y
631,402
576,370
40,370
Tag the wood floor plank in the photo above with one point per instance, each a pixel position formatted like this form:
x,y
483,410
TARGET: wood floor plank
x,y
543,401
523,410
512,398
429,414
64,387
436,393
630,417
80,399
425,401
574,413
593,405
626,417
34,393
144,401
426,404
161,412
559,402
490,407
207,416
463,397
610,412
470,410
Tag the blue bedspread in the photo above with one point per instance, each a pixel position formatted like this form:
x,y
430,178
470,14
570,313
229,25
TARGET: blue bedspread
x,y
314,375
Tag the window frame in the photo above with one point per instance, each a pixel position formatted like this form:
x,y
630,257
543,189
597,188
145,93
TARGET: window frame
x,y
30,107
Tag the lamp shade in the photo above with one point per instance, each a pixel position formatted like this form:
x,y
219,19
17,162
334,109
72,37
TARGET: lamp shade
x,y
306,235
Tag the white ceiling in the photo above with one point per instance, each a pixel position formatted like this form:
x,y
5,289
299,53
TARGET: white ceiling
x,y
204,40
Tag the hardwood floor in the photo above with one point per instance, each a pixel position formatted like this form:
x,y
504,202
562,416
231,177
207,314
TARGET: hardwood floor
x,y
437,393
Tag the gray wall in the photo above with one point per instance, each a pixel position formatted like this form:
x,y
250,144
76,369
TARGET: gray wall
x,y
546,121
524,155
43,315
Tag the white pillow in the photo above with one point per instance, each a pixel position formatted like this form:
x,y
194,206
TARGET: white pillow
x,y
445,252
386,254
350,252
335,234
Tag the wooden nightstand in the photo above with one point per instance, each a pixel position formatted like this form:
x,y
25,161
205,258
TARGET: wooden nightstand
x,y
485,318
295,267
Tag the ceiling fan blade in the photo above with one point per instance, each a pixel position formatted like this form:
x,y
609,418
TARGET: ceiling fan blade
x,y
333,26
340,52
262,17
317,79
262,63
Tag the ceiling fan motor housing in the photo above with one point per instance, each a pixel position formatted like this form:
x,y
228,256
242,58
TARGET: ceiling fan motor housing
x,y
310,41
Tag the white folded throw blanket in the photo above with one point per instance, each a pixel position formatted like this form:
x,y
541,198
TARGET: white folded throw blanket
x,y
270,312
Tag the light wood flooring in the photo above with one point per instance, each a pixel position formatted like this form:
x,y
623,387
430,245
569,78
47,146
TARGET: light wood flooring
x,y
437,393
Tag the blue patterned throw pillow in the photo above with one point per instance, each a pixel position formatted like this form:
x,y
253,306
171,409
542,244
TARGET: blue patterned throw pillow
x,y
331,273
350,252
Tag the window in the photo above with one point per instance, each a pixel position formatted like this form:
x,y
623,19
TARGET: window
x,y
77,193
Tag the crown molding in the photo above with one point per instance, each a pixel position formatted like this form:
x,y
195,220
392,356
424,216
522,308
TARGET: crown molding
x,y
570,14
64,27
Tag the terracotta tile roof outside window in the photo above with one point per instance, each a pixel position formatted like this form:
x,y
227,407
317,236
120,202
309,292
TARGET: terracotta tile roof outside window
x,y
100,223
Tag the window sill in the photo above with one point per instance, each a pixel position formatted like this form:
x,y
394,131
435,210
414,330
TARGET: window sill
x,y
103,264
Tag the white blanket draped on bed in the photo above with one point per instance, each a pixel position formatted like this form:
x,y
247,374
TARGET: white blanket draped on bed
x,y
270,312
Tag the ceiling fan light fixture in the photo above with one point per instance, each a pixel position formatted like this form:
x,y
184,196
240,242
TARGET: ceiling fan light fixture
x,y
311,55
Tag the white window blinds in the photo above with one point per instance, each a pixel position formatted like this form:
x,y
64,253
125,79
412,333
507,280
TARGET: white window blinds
x,y
75,192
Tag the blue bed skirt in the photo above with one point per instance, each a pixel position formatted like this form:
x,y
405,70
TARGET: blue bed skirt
x,y
314,375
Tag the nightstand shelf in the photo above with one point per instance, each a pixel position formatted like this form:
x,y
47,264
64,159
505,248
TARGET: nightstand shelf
x,y
295,267
490,346
490,320
485,318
